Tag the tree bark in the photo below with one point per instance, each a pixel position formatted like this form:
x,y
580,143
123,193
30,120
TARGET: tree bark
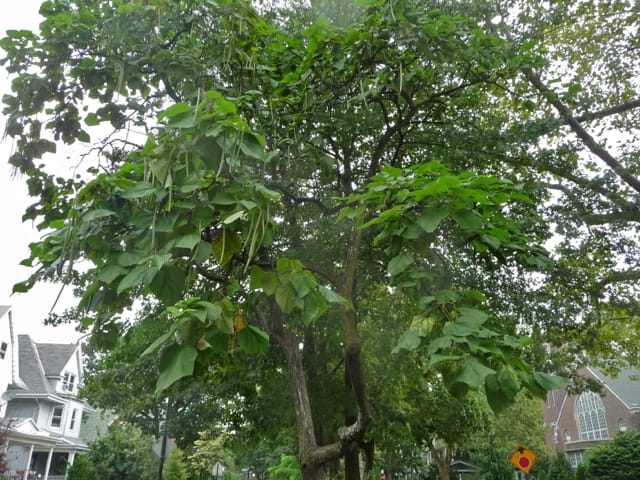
x,y
313,456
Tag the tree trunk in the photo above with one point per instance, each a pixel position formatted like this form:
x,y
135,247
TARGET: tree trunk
x,y
313,456
442,459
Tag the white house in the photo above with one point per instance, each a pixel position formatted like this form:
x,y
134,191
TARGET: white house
x,y
41,408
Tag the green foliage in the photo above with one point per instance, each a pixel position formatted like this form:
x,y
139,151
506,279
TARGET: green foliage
x,y
287,469
618,459
208,450
82,469
296,175
560,469
124,454
174,467
494,462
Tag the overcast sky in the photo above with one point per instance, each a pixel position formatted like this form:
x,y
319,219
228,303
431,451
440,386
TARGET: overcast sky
x,y
30,309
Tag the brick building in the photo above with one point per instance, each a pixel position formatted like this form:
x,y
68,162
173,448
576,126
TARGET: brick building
x,y
581,422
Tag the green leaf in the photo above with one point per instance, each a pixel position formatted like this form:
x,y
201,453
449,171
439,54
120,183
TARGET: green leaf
x,y
409,340
285,298
187,241
496,399
225,246
303,282
439,343
508,382
399,264
176,362
133,279
21,287
168,284
467,219
314,306
431,217
549,382
251,146
473,372
173,110
253,340
260,279
437,358
333,297
457,329
139,190
239,215
161,340
93,215
91,119
471,316
109,273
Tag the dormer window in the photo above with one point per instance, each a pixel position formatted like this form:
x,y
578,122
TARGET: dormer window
x,y
3,350
68,382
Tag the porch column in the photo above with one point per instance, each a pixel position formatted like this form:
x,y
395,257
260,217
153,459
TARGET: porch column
x,y
70,459
46,468
26,469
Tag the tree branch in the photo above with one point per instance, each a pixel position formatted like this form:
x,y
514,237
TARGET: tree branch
x,y
623,107
574,124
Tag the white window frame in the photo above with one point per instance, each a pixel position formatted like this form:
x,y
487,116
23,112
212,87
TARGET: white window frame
x,y
57,419
590,417
73,419
68,382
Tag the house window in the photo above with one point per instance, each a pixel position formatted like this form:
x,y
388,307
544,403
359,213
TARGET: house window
x,y
72,422
590,417
56,418
575,458
3,350
68,382
622,425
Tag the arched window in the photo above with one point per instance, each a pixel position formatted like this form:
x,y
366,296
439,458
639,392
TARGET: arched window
x,y
622,425
590,417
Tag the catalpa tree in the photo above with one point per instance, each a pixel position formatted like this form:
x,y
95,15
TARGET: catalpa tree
x,y
271,176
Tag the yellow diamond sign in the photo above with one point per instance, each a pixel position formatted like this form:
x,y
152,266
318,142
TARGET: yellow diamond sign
x,y
523,458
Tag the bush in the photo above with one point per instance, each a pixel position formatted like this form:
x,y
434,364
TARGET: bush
x,y
82,469
618,459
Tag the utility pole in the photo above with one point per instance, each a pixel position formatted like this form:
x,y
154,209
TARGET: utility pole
x,y
163,446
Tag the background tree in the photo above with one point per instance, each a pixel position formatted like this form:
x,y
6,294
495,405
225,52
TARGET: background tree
x,y
209,450
175,467
615,460
124,454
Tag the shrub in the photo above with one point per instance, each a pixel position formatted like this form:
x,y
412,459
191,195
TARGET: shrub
x,y
618,459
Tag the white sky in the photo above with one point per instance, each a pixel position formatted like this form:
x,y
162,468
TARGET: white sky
x,y
30,309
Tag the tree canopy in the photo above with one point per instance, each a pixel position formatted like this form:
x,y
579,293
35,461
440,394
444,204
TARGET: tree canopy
x,y
268,177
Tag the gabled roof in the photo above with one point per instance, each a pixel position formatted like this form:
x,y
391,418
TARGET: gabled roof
x,y
55,356
626,385
37,361
4,309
